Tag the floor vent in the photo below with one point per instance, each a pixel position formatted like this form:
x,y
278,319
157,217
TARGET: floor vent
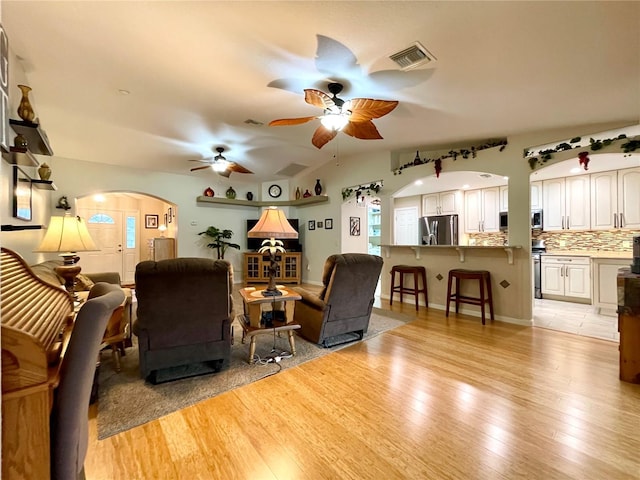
x,y
413,57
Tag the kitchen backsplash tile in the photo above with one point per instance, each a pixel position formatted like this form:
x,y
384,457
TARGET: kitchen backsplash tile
x,y
603,240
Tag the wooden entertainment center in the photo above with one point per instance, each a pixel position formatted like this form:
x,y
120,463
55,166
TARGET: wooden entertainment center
x,y
256,268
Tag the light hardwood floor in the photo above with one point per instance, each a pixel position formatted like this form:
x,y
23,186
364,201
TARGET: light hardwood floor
x,y
434,399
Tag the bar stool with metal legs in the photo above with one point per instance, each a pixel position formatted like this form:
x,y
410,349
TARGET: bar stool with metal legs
x,y
418,272
484,279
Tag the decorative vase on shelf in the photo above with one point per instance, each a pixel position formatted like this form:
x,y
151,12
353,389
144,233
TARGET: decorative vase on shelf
x,y
318,187
20,141
208,192
25,110
230,193
249,196
298,193
44,171
307,194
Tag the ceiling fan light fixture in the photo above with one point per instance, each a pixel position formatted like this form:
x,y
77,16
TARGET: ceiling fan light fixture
x,y
220,165
334,121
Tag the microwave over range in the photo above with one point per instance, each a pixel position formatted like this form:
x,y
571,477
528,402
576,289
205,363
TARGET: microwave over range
x,y
536,220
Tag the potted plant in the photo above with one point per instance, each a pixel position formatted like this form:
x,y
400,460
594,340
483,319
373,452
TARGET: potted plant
x,y
219,240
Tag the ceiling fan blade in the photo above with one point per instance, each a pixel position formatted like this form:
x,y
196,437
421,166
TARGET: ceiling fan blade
x,y
317,98
234,167
200,168
290,121
364,130
322,136
363,109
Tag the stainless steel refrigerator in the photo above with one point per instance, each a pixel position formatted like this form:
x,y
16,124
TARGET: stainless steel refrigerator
x,y
439,230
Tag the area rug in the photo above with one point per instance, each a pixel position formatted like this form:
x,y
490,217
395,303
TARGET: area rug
x,y
126,401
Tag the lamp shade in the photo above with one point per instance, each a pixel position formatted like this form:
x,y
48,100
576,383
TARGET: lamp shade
x,y
272,224
67,234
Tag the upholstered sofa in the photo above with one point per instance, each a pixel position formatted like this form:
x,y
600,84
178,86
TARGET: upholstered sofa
x,y
184,316
45,271
344,305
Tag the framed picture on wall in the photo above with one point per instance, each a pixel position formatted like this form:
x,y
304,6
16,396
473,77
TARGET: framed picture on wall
x,y
312,224
151,221
319,224
21,195
328,223
354,226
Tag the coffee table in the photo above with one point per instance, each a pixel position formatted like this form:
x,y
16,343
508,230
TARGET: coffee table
x,y
281,309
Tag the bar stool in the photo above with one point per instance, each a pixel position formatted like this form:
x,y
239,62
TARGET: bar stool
x,y
417,271
483,277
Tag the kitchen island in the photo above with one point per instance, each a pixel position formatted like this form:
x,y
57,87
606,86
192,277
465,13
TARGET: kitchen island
x,y
510,268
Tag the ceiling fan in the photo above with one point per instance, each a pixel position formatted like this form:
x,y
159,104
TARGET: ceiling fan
x,y
352,117
221,165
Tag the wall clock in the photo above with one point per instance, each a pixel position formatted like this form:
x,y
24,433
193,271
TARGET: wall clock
x,y
275,191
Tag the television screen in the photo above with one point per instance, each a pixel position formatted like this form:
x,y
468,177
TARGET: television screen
x,y
290,244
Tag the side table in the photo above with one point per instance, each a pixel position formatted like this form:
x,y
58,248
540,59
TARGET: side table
x,y
281,308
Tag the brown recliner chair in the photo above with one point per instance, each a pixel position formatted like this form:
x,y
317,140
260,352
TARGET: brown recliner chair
x,y
184,314
344,304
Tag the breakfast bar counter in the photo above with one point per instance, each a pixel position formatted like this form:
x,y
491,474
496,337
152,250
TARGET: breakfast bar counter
x,y
509,266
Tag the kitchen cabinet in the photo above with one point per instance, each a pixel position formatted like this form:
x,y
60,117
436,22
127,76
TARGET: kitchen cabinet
x,y
615,199
482,210
504,198
565,202
374,230
256,267
441,203
605,291
566,276
536,195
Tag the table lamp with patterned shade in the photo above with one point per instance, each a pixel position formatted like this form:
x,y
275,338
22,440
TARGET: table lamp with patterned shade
x,y
272,224
67,235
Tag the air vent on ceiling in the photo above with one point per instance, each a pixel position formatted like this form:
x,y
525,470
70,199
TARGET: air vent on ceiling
x,y
291,170
413,57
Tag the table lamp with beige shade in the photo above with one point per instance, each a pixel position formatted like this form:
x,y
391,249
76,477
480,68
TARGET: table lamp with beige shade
x,y
67,235
273,224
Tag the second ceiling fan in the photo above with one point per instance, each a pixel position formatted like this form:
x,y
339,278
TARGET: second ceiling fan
x,y
220,165
352,117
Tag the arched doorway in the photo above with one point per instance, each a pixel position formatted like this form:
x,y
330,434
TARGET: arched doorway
x,y
125,226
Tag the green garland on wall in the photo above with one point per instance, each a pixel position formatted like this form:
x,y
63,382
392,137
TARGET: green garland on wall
x,y
542,156
463,152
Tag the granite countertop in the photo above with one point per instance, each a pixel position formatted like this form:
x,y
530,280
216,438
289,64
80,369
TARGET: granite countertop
x,y
591,253
479,247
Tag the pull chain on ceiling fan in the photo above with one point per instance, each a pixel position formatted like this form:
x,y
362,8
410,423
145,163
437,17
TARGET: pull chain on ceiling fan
x,y
352,117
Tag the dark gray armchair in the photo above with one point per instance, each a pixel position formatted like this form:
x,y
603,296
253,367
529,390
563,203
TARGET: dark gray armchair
x,y
70,413
344,304
184,314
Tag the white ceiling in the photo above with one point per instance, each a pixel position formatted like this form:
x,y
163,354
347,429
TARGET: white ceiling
x,y
198,70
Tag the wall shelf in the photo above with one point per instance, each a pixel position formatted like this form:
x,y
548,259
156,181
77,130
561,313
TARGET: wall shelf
x,y
302,202
37,140
20,156
43,184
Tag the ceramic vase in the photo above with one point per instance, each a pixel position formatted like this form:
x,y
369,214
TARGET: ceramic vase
x,y
25,110
249,196
20,141
44,172
298,193
318,187
230,193
307,194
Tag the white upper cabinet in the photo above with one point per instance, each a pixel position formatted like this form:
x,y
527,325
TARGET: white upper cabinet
x,y
629,198
504,198
536,195
442,203
615,199
565,203
482,210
